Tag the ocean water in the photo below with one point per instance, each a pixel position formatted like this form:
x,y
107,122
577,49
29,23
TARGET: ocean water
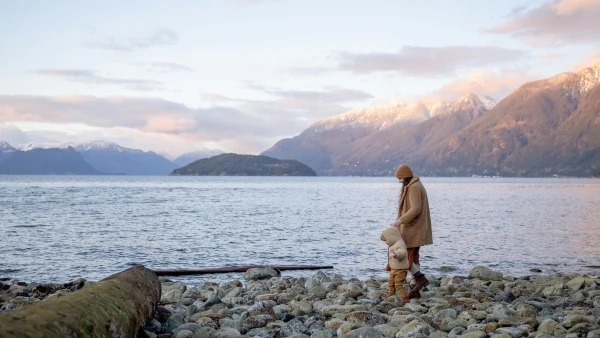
x,y
58,228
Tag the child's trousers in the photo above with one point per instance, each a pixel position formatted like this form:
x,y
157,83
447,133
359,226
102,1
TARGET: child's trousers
x,y
396,283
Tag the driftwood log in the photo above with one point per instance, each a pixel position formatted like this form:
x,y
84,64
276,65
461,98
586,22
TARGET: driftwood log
x,y
238,269
116,306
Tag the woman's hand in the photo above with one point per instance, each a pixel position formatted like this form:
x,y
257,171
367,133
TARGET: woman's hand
x,y
396,224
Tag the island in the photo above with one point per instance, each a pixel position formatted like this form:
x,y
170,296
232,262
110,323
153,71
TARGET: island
x,y
244,165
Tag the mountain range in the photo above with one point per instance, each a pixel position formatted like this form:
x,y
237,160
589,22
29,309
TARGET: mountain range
x,y
101,157
52,161
544,128
549,127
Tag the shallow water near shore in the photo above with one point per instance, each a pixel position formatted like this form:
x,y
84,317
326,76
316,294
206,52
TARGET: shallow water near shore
x,y
58,228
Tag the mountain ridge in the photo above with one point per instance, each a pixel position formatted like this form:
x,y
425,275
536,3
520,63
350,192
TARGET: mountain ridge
x,y
53,161
347,149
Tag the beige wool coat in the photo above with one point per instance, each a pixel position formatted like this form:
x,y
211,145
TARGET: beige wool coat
x,y
413,212
396,246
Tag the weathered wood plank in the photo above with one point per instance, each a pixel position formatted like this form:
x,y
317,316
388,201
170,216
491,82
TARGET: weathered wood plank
x,y
177,272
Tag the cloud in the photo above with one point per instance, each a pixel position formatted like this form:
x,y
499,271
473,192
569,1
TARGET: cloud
x,y
569,7
169,67
428,61
48,135
89,77
218,98
249,126
329,95
558,22
588,61
308,70
253,2
161,37
12,134
496,84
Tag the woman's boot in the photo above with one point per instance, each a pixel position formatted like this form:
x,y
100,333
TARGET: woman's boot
x,y
421,282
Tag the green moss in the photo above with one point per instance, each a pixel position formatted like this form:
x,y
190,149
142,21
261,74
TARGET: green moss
x,y
116,306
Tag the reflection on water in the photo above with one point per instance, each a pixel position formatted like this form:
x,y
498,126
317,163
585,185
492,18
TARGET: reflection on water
x,y
60,228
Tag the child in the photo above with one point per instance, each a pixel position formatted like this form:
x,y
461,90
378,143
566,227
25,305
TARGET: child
x,y
397,261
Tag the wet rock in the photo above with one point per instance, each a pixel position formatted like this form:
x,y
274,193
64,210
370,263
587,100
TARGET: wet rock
x,y
303,307
364,332
485,273
505,296
324,333
206,322
294,326
574,319
193,327
438,334
345,328
576,283
330,310
183,334
261,273
260,332
553,290
513,332
593,334
366,318
17,302
174,322
413,328
227,333
318,291
172,292
474,334
456,332
551,327
445,313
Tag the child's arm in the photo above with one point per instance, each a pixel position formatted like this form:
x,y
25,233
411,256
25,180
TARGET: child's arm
x,y
400,253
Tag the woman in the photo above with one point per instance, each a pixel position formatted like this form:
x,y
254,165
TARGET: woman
x,y
414,223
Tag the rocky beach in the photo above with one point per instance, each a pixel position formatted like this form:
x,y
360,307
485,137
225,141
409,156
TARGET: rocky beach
x,y
262,303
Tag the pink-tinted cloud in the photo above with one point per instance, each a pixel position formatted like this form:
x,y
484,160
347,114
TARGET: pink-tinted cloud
x,y
485,82
569,7
588,61
428,61
558,22
251,125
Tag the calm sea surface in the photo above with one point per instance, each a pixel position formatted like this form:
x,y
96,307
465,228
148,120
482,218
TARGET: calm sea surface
x,y
58,228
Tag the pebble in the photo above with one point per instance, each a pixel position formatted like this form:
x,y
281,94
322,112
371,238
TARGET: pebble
x,y
484,304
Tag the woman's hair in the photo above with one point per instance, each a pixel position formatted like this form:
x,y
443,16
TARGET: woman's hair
x,y
406,181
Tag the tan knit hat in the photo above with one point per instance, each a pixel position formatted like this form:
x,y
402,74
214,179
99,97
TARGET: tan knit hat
x,y
403,171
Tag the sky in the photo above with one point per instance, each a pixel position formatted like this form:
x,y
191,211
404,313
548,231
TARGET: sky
x,y
239,75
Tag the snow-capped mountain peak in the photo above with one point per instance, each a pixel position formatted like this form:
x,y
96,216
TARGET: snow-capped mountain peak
x,y
589,78
382,116
104,145
405,112
6,148
487,101
39,145
477,100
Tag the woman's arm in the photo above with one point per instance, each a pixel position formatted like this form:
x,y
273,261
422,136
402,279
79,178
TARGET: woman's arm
x,y
414,199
